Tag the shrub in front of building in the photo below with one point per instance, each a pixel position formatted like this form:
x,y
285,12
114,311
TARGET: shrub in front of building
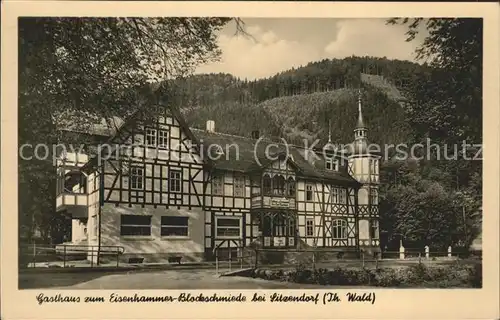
x,y
419,275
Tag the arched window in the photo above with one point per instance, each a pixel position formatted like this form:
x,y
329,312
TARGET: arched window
x,y
266,184
373,197
267,226
339,229
279,226
291,187
278,185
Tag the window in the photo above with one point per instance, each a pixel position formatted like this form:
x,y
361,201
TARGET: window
x,y
150,137
175,180
339,229
309,227
174,226
227,227
135,225
335,195
136,178
291,187
309,192
218,185
331,164
278,185
342,196
266,184
162,139
374,229
373,196
373,169
239,185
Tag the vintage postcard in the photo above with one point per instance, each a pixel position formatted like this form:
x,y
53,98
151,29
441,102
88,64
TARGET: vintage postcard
x,y
249,160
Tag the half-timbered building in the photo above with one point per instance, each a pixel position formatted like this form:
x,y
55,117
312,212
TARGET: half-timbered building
x,y
159,189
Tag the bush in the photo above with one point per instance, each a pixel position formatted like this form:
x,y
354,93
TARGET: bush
x,y
476,276
417,275
386,278
302,274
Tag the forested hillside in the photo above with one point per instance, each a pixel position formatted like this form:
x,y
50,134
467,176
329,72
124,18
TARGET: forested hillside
x,y
300,103
321,76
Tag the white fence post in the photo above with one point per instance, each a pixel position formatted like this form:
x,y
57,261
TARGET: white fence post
x,y
449,252
427,252
401,252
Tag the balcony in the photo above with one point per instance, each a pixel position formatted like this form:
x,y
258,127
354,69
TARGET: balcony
x,y
75,204
71,199
272,202
72,194
276,192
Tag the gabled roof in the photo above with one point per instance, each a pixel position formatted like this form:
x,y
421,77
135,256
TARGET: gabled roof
x,y
131,121
240,154
244,154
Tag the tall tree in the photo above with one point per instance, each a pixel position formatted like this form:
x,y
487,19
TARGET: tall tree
x,y
86,69
445,105
446,100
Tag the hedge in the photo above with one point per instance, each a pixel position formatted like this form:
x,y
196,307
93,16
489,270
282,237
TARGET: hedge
x,y
419,275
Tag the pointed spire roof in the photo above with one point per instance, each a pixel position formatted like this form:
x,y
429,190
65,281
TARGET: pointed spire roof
x,y
329,146
360,123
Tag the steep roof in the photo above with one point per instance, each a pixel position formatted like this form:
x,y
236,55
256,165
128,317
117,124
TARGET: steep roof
x,y
246,155
240,154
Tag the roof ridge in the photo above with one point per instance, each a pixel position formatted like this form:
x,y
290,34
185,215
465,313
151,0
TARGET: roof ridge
x,y
221,133
248,138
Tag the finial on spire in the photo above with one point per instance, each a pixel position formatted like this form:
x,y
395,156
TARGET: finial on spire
x,y
360,114
329,131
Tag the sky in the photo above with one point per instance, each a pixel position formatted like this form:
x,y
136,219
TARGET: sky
x,y
278,44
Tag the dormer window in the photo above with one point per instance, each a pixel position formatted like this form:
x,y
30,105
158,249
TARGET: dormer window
x,y
331,164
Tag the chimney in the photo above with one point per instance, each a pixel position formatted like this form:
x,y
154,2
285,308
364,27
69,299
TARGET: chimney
x,y
255,134
210,126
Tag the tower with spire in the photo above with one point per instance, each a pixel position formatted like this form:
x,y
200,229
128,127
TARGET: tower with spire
x,y
363,165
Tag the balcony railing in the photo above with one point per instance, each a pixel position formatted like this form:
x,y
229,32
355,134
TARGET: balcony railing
x,y
273,201
65,200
